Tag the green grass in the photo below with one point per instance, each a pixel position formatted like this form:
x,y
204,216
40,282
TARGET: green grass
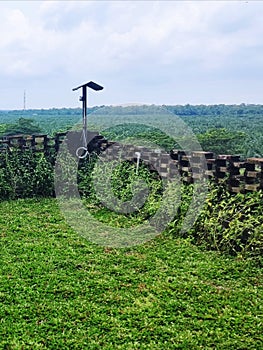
x,y
59,291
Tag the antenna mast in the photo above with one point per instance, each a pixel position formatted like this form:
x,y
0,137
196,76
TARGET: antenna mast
x,y
24,100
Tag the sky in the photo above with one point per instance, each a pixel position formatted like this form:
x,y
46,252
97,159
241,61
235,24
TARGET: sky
x,y
152,52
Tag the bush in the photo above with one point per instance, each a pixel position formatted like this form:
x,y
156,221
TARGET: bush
x,y
230,223
25,174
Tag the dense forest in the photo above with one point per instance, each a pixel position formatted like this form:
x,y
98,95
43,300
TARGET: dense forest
x,y
223,129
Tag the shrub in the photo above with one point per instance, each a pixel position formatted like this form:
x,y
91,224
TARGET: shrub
x,y
231,223
25,174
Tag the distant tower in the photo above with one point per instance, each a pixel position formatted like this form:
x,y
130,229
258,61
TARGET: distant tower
x,y
24,100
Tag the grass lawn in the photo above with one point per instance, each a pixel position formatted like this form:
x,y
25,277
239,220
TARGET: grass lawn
x,y
59,291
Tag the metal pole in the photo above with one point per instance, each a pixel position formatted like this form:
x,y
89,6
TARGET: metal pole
x,y
96,87
84,114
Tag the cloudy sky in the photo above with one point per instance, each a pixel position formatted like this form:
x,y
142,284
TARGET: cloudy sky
x,y
157,52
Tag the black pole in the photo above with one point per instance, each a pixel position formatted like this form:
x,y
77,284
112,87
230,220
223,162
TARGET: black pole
x,y
83,98
84,113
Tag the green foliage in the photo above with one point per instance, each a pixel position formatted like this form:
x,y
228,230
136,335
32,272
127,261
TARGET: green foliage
x,y
222,141
24,126
59,291
246,119
25,174
232,223
118,183
2,129
49,121
229,223
234,119
139,133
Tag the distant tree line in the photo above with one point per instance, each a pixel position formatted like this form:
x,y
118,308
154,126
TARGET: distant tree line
x,y
219,128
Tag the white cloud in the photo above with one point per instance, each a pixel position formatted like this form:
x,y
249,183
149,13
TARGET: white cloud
x,y
137,42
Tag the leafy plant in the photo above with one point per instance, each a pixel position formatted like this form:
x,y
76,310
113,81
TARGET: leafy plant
x,y
25,174
231,223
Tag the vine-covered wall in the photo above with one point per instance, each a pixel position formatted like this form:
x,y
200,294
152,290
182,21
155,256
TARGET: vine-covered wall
x,y
240,175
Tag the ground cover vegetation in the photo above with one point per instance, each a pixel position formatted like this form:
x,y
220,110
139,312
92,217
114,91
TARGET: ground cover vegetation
x,y
198,289
59,291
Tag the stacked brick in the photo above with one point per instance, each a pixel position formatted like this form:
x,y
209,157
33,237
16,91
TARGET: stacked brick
x,y
155,160
227,168
36,143
201,165
253,175
240,176
192,165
